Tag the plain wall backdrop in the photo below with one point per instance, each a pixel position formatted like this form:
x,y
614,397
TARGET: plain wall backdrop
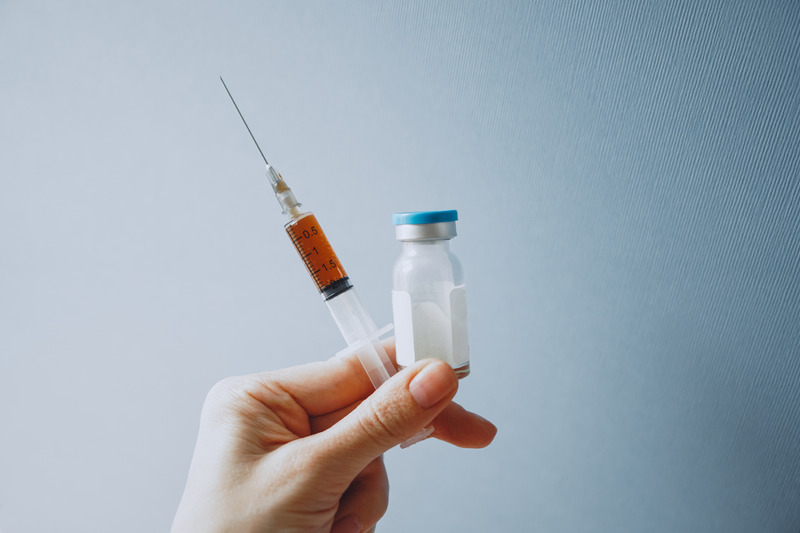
x,y
626,174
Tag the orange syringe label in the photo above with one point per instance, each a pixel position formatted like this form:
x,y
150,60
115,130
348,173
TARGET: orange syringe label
x,y
316,252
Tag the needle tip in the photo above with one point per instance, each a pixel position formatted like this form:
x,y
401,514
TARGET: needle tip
x,y
243,120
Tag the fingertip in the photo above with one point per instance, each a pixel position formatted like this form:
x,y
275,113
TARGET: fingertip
x,y
489,429
463,428
348,524
489,433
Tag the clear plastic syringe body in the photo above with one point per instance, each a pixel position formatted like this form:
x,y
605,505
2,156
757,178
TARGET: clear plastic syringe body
x,y
354,322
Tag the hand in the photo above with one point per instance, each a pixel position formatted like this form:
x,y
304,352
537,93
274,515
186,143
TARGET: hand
x,y
301,449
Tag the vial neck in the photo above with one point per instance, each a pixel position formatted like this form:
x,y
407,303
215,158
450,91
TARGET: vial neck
x,y
427,246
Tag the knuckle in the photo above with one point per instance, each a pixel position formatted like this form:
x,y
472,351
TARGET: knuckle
x,y
229,395
225,389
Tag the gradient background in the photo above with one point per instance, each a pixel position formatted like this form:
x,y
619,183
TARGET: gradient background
x,y
627,179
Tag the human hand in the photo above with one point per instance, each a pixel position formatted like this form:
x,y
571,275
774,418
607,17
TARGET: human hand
x,y
300,449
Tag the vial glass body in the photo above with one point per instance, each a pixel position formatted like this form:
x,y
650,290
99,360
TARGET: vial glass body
x,y
429,305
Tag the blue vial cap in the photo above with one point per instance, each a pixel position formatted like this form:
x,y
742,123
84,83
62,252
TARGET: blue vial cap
x,y
424,217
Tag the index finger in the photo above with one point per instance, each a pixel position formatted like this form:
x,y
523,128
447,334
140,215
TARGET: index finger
x,y
325,386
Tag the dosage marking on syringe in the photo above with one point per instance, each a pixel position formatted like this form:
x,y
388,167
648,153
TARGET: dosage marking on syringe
x,y
315,251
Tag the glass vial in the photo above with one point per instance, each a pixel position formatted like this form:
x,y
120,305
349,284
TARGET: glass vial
x,y
428,297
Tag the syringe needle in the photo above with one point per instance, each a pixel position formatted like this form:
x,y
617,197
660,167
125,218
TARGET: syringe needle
x,y
282,191
243,120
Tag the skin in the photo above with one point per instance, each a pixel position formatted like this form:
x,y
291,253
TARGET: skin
x,y
301,449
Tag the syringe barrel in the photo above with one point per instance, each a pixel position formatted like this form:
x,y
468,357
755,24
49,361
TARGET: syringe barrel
x,y
351,317
360,333
353,320
318,256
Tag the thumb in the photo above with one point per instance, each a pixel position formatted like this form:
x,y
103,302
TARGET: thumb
x,y
398,410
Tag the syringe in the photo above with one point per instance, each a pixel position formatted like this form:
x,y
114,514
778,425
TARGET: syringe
x,y
355,323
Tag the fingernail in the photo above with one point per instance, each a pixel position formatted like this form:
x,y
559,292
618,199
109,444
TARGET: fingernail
x,y
433,383
348,524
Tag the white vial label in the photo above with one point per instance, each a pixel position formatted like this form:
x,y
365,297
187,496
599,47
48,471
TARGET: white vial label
x,y
425,329
458,317
433,333
403,328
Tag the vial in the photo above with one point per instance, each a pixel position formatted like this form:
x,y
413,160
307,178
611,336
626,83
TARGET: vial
x,y
428,296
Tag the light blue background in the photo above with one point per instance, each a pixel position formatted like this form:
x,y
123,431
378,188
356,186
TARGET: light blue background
x,y
627,179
